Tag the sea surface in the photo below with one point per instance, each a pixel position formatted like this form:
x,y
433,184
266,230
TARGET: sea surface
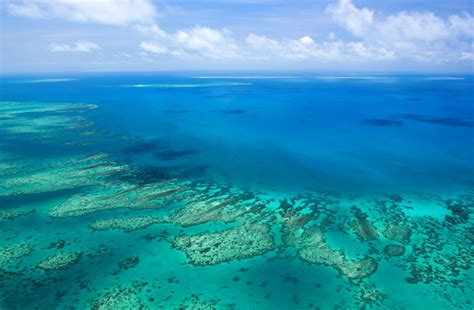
x,y
236,191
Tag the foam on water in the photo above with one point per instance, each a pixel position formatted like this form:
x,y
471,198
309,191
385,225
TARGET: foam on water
x,y
247,77
185,85
48,80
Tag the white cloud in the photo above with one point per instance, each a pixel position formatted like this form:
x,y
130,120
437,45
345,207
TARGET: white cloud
x,y
355,20
181,54
28,9
207,42
262,42
195,42
79,46
151,30
112,12
153,47
370,52
407,26
468,56
303,48
265,48
306,40
462,25
422,36
402,26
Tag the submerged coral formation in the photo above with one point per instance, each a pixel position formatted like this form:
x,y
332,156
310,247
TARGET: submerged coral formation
x,y
123,297
10,253
13,213
127,263
313,248
62,175
198,303
226,210
399,233
370,295
394,250
125,224
60,260
120,195
235,243
362,226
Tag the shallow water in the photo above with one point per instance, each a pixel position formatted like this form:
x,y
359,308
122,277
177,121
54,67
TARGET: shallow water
x,y
245,192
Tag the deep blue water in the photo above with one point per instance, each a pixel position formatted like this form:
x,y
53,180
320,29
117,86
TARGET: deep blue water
x,y
341,133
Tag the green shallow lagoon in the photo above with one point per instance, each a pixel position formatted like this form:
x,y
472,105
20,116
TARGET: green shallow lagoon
x,y
86,225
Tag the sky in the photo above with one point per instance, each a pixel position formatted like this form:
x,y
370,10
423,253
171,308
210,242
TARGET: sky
x,y
164,35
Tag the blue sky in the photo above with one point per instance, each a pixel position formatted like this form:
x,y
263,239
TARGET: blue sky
x,y
153,35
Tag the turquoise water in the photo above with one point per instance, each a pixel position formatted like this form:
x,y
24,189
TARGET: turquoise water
x,y
198,191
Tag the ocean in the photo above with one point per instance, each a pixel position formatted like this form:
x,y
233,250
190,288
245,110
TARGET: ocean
x,y
236,191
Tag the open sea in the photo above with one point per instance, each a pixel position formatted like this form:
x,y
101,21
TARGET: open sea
x,y
236,191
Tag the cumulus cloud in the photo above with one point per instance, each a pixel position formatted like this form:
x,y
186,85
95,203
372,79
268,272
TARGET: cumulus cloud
x,y
306,40
356,20
259,42
79,46
153,47
467,56
111,12
308,48
418,35
191,43
207,42
152,30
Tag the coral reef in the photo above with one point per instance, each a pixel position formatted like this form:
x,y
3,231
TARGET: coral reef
x,y
60,260
362,226
235,243
120,195
226,210
12,252
370,295
125,224
394,250
61,175
123,297
459,212
313,248
12,213
127,263
196,302
399,233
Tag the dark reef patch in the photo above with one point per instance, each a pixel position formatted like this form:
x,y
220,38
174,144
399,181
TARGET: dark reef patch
x,y
446,121
394,250
127,263
459,212
233,111
175,154
383,122
146,174
140,148
176,111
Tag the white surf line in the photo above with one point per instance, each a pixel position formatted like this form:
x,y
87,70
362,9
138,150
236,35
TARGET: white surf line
x,y
247,77
443,78
36,81
184,85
